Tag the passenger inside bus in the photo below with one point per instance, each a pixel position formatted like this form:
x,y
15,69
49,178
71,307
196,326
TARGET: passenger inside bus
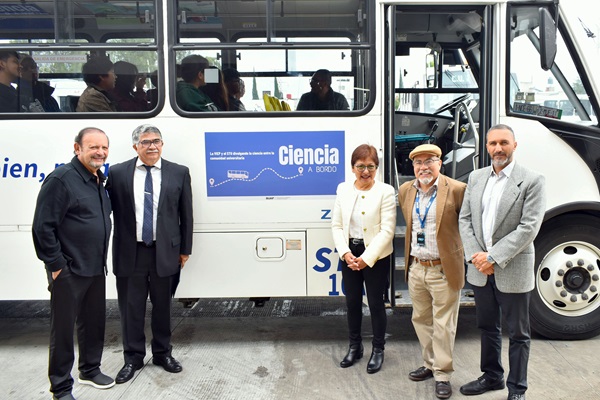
x,y
129,92
99,75
188,94
234,84
321,96
31,87
215,88
152,94
9,74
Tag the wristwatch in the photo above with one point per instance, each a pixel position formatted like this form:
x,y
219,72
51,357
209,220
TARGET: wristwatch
x,y
490,259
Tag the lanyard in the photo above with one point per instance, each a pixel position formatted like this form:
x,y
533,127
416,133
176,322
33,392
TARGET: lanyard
x,y
431,199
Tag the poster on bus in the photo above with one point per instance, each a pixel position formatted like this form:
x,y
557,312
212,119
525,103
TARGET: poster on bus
x,y
274,164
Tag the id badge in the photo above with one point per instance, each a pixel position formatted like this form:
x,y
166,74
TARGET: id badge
x,y
421,239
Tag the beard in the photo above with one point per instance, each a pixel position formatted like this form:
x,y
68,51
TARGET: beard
x,y
96,163
501,162
426,181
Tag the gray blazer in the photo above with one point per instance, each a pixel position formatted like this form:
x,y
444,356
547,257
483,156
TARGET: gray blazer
x,y
520,215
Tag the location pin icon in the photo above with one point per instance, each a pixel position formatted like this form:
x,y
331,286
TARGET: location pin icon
x,y
300,169
211,181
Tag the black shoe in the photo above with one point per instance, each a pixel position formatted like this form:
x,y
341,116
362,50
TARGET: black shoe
x,y
515,396
443,390
99,381
375,362
126,373
420,374
481,385
67,396
168,363
355,352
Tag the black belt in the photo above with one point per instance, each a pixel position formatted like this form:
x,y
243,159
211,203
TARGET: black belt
x,y
357,241
144,244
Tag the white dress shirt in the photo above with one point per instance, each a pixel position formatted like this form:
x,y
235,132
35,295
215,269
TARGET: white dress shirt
x,y
430,250
139,180
491,198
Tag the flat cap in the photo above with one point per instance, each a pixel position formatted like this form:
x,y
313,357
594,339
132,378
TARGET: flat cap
x,y
425,149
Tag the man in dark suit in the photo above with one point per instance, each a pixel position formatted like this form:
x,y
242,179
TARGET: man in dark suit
x,y
152,202
500,217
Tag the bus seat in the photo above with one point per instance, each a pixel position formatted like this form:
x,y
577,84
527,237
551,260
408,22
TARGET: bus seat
x,y
268,104
70,103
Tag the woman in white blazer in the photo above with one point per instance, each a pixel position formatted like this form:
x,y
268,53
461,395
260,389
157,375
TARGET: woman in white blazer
x,y
364,221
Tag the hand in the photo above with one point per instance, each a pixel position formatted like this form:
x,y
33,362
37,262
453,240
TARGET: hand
x,y
55,274
351,261
361,263
183,259
479,260
140,83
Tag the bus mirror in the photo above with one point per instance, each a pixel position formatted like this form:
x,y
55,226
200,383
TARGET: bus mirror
x,y
547,39
431,70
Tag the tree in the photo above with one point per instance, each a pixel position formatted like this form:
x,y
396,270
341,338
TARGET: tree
x,y
254,89
276,92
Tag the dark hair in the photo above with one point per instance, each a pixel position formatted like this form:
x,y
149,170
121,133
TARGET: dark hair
x,y
6,54
95,68
230,74
363,152
325,75
154,78
85,131
27,62
217,92
126,73
191,66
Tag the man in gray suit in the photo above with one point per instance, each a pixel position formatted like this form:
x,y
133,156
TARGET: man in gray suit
x,y
500,217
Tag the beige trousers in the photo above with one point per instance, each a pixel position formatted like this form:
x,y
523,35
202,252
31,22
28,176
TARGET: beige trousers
x,y
434,317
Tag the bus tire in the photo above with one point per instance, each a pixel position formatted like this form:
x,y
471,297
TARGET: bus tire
x,y
565,303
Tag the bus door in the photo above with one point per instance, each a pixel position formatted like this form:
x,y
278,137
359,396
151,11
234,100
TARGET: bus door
x,y
435,60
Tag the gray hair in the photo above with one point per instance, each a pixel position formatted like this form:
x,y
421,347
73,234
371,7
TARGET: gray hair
x,y
145,128
502,126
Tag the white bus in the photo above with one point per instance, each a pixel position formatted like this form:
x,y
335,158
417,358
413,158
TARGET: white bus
x,y
412,72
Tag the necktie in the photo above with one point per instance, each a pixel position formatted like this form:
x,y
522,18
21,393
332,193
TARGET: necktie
x,y
148,208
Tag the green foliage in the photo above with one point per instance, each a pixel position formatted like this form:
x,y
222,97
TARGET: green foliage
x,y
254,89
276,91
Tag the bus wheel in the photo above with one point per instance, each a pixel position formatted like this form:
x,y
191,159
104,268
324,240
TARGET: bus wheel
x,y
565,303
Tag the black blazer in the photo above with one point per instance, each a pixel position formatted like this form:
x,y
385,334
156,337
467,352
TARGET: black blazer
x,y
174,224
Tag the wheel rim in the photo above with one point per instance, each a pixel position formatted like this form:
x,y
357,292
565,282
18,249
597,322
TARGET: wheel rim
x,y
568,279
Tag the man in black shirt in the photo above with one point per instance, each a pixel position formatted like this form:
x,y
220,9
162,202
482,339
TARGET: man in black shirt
x,y
321,96
71,228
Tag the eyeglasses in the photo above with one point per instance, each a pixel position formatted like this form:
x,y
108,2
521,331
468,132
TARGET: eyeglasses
x,y
147,143
428,163
370,167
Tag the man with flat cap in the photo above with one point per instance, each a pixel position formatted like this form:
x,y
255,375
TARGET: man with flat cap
x,y
435,269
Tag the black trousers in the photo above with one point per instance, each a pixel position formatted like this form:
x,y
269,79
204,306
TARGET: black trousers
x,y
375,279
490,305
133,293
75,301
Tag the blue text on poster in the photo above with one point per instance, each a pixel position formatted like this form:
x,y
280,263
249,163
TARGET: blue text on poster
x,y
274,164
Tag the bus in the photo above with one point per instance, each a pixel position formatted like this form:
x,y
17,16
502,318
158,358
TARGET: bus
x,y
264,179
